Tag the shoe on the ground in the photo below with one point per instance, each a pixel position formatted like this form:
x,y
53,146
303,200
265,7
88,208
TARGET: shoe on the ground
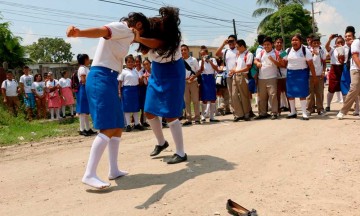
x,y
252,114
228,113
159,148
214,120
236,119
145,124
139,127
187,123
91,132
291,116
177,159
309,113
340,116
284,109
274,116
305,118
197,122
236,209
355,114
128,128
260,117
247,119
84,133
322,113
327,109
165,125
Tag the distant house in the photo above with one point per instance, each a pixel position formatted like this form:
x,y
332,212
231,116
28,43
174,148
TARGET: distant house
x,y
56,68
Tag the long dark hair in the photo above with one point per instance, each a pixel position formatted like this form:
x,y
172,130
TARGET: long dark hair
x,y
81,58
166,28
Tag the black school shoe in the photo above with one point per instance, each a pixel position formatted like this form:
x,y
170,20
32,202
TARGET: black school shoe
x,y
84,133
327,109
128,128
91,132
177,159
187,123
291,116
139,127
214,120
159,148
236,119
145,124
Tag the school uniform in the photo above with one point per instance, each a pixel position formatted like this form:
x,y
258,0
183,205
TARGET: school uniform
x,y
27,80
345,80
336,69
267,82
102,84
317,92
11,94
39,88
230,60
142,88
208,86
240,93
192,90
130,91
281,86
82,103
66,92
355,80
166,87
54,100
297,81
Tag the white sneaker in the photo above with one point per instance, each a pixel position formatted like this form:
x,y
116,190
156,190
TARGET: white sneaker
x,y
340,116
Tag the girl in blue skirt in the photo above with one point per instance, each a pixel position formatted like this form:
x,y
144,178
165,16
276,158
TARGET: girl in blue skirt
x,y
166,87
129,88
102,90
299,62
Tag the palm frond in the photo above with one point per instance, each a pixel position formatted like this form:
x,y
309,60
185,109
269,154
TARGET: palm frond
x,y
263,11
262,23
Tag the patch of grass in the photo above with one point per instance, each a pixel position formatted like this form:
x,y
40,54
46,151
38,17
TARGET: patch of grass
x,y
17,130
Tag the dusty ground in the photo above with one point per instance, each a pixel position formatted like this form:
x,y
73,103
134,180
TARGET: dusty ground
x,y
281,167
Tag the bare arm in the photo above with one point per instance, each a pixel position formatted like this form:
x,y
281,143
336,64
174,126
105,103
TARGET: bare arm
x,y
83,79
72,31
219,50
327,45
356,59
312,67
150,42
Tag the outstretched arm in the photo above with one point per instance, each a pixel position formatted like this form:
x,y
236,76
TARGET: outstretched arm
x,y
72,31
149,42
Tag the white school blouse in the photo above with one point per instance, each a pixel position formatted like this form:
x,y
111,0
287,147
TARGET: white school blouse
x,y
65,83
297,60
129,77
193,63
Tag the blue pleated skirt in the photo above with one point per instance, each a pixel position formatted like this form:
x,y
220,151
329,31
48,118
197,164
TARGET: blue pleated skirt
x,y
166,88
345,81
82,104
105,104
130,98
252,86
208,87
297,83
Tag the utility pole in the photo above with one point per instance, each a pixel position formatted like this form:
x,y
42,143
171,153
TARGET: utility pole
x,y
234,27
313,13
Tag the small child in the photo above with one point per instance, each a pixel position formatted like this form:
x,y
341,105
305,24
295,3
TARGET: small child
x,y
38,88
66,92
54,101
129,92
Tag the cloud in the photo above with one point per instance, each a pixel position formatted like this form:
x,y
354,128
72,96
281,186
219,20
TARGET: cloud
x,y
329,21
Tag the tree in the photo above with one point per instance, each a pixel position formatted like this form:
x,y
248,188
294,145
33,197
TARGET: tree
x,y
11,50
276,6
295,20
50,50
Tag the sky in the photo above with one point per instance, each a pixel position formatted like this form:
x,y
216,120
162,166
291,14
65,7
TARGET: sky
x,y
202,22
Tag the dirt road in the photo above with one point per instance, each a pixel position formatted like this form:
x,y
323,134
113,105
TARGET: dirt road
x,y
280,167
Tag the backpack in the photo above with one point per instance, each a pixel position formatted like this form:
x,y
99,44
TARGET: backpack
x,y
220,80
225,57
75,83
253,70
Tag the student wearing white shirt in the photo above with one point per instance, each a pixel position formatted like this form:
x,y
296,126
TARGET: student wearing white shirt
x,y
191,87
298,61
283,103
38,88
317,91
208,68
129,92
229,56
142,89
267,62
102,90
26,81
337,60
355,80
241,93
10,89
67,93
54,100
166,87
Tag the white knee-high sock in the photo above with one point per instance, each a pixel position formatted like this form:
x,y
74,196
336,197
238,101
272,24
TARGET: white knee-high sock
x,y
52,113
212,110
176,131
87,122
207,111
338,96
292,107
97,149
127,118
72,109
329,98
113,147
156,127
303,108
63,111
136,118
82,122
58,113
203,109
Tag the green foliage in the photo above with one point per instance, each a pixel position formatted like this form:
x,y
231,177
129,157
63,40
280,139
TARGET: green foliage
x,y
11,50
50,50
18,130
295,20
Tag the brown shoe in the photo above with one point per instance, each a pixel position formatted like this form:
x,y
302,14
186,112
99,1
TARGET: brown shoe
x,y
236,209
